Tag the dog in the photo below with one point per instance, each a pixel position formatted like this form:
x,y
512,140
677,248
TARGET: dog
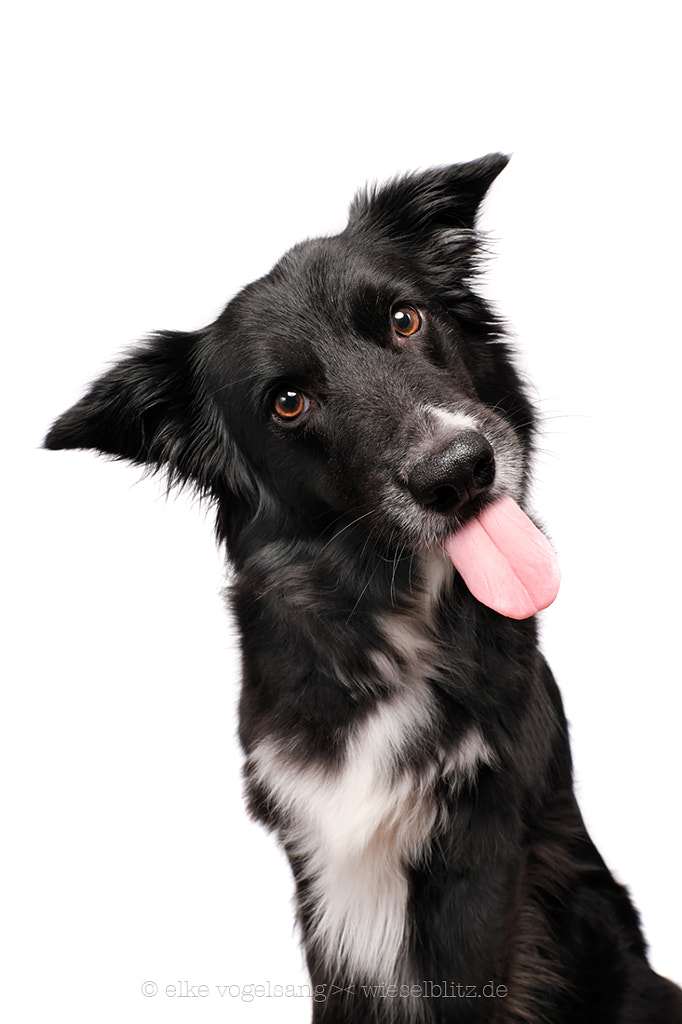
x,y
356,419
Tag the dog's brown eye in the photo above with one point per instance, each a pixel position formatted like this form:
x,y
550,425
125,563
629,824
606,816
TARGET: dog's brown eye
x,y
406,321
289,405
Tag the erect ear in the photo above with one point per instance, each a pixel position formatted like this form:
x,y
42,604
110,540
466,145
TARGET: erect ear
x,y
429,219
151,408
420,205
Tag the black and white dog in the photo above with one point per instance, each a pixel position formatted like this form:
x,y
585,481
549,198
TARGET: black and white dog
x,y
359,425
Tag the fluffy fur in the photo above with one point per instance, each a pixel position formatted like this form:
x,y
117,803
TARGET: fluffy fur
x,y
406,744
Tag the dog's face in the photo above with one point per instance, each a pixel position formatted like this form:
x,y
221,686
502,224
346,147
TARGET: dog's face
x,y
362,377
351,387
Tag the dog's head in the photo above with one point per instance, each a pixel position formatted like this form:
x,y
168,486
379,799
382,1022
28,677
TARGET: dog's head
x,y
362,380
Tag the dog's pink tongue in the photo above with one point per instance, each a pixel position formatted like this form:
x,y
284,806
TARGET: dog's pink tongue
x,y
505,561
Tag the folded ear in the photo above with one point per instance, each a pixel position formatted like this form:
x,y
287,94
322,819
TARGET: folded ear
x,y
151,408
428,202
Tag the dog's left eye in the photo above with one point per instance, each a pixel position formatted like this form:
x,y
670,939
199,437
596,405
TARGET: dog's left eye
x,y
406,320
289,405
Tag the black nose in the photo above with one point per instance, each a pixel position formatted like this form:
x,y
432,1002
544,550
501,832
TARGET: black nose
x,y
454,477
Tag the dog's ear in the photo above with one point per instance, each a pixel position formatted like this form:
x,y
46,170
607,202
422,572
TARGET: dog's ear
x,y
151,409
420,205
429,219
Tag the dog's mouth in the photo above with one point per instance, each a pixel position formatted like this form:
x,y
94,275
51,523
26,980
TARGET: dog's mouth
x,y
464,489
505,560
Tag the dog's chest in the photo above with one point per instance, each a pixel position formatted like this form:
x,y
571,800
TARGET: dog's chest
x,y
358,827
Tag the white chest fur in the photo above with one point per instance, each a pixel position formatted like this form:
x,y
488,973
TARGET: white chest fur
x,y
359,827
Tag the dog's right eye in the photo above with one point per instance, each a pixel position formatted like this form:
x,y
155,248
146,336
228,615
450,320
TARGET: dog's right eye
x,y
406,320
289,405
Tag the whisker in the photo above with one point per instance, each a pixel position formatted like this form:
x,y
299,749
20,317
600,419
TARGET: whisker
x,y
346,527
362,594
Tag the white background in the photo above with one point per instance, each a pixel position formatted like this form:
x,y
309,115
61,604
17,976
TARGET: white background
x,y
158,156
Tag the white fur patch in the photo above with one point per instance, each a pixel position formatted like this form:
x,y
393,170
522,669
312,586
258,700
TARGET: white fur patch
x,y
466,758
437,571
453,420
361,825
358,827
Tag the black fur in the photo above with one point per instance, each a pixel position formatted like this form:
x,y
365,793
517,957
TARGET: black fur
x,y
329,545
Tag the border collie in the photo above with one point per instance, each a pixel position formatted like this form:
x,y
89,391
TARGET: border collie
x,y
356,419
